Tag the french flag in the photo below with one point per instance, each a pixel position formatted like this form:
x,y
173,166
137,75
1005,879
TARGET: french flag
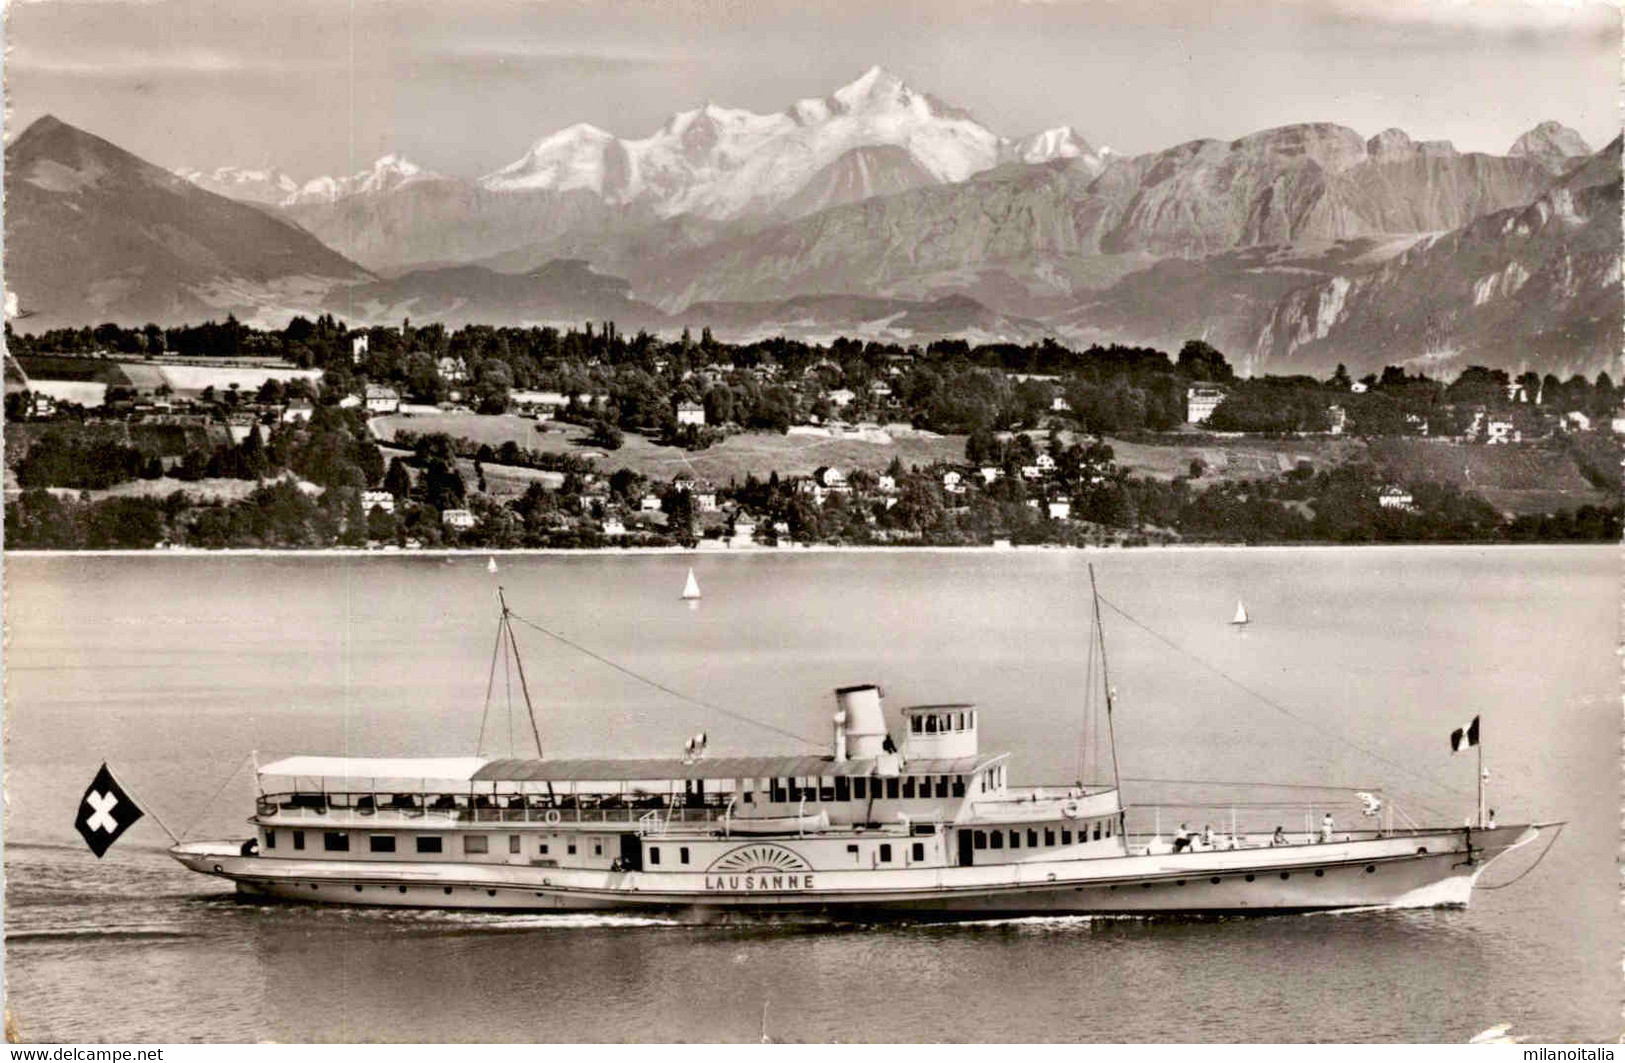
x,y
1462,737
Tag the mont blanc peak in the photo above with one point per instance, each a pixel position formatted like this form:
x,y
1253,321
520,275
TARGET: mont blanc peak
x,y
722,162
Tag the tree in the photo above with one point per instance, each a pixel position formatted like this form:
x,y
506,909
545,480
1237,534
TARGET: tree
x,y
443,486
606,435
397,481
1201,362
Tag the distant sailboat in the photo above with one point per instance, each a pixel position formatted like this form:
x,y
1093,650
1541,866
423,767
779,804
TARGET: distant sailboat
x,y
1241,615
691,589
490,564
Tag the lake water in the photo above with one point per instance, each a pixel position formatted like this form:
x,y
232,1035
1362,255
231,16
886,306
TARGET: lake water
x,y
173,668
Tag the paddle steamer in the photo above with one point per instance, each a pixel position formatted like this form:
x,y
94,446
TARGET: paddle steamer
x,y
927,826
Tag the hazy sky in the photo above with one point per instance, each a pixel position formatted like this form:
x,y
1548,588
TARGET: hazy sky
x,y
325,86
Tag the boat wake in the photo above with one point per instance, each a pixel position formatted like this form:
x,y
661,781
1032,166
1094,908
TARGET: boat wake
x,y
100,933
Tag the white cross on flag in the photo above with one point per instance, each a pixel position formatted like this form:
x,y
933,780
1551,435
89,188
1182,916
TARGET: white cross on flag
x,y
105,812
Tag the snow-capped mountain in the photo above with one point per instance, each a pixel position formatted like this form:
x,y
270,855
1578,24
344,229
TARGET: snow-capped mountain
x,y
1062,142
719,163
386,175
268,186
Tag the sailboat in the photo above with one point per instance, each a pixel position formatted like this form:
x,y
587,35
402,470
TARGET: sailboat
x,y
691,589
490,564
1240,618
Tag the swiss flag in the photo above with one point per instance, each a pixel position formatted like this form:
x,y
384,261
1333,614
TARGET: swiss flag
x,y
105,813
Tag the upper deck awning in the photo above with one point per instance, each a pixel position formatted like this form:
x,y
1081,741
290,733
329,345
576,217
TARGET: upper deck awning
x,y
591,770
441,769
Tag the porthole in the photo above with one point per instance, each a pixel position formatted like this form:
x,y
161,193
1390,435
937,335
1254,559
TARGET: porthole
x,y
490,893
1421,850
1181,882
1285,875
401,888
1369,868
1250,878
1214,880
1145,885
358,889
314,886
1320,873
447,891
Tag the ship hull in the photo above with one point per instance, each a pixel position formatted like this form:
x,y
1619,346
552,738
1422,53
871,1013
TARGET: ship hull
x,y
1421,870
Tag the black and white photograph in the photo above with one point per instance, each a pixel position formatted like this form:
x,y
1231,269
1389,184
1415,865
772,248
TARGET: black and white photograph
x,y
691,521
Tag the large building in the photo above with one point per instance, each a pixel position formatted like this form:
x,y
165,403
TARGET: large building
x,y
1200,402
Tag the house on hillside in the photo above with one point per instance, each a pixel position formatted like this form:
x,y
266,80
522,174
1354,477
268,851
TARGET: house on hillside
x,y
453,370
460,519
381,399
831,479
382,499
1575,421
358,348
841,398
1200,402
1337,420
1395,497
614,527
1060,509
297,410
953,482
1501,430
690,413
649,504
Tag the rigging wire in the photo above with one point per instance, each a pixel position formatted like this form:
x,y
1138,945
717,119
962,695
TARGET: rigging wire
x,y
490,681
1531,867
1238,782
663,688
1277,706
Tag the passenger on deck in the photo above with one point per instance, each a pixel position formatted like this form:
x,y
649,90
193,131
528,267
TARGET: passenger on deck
x,y
1207,836
1326,826
1491,823
1182,838
1279,837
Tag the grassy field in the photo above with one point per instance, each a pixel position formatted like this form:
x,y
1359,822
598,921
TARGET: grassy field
x,y
760,453
1232,459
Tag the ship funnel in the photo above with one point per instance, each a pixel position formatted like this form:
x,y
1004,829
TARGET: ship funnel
x,y
864,725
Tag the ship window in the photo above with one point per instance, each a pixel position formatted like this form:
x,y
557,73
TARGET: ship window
x,y
981,839
843,788
1108,828
682,855
891,788
571,848
960,721
270,839
428,843
851,848
997,838
654,854
959,786
1032,837
916,725
885,853
1015,839
336,841
931,724
942,786
860,788
597,849
1097,830
475,843
777,791
513,843
542,849
1049,836
298,839
1066,835
908,786
826,788
919,850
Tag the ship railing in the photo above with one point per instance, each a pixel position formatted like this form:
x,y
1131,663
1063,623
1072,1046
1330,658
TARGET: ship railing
x,y
1262,824
459,808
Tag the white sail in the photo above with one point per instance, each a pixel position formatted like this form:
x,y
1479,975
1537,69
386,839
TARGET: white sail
x,y
691,589
1241,614
490,564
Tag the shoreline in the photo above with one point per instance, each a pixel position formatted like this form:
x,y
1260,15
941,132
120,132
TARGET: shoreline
x,y
660,551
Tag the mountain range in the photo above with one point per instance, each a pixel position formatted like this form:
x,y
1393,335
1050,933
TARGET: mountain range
x,y
882,211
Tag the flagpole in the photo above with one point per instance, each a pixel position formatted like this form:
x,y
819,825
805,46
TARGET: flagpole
x,y
1481,784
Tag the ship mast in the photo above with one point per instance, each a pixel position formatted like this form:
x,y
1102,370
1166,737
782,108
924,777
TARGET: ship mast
x,y
1106,678
506,626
